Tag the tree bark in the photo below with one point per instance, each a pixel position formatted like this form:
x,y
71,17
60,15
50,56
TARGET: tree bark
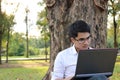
x,y
61,13
115,32
7,44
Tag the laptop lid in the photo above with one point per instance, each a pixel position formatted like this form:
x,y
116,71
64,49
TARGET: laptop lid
x,y
95,62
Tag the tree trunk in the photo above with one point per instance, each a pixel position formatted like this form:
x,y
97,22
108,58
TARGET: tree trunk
x,y
0,32
0,47
27,41
61,13
115,32
7,44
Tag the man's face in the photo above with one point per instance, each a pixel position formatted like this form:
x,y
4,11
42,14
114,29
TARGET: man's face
x,y
82,41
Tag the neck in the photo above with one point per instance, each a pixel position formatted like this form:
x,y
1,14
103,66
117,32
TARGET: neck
x,y
81,49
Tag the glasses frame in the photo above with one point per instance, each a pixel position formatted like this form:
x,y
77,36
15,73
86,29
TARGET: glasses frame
x,y
82,40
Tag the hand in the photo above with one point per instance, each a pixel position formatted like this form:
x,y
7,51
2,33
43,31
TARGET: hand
x,y
108,79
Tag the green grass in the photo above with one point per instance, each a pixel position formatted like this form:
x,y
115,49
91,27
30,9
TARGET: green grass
x,y
118,58
116,74
35,70
37,73
32,56
22,73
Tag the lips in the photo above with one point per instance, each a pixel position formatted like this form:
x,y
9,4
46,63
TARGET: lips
x,y
85,47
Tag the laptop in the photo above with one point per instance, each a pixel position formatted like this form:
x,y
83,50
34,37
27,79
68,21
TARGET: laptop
x,y
95,62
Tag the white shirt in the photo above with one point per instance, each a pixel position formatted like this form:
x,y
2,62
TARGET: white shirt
x,y
65,63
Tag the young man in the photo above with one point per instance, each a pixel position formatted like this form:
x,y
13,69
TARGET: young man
x,y
66,60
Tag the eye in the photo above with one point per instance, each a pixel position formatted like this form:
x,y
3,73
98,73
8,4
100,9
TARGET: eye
x,y
81,39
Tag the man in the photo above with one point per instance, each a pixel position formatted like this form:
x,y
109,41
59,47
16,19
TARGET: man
x,y
66,60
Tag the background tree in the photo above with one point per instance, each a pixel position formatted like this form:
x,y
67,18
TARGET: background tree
x,y
110,37
27,41
114,9
43,26
8,24
16,45
5,23
61,13
0,32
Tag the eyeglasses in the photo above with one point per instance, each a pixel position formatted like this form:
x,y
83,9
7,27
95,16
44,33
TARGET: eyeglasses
x,y
82,40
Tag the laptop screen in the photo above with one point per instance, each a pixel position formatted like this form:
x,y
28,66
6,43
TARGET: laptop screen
x,y
95,62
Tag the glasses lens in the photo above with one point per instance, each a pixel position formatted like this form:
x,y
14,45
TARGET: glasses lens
x,y
82,40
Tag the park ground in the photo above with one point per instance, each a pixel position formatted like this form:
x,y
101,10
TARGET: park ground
x,y
23,69
34,69
25,63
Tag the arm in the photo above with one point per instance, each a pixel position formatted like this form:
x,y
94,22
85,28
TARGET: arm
x,y
59,69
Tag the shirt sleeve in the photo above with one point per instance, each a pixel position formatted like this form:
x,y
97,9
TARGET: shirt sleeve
x,y
59,69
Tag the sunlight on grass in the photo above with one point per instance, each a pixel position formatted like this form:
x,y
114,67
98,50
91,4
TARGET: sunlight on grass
x,y
37,72
28,62
116,74
22,73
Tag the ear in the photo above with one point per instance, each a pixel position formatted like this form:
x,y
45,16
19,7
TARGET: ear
x,y
72,40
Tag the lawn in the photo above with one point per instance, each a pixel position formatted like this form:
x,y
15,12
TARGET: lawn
x,y
116,74
23,70
28,70
22,73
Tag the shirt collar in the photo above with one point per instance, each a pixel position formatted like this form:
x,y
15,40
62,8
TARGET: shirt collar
x,y
73,50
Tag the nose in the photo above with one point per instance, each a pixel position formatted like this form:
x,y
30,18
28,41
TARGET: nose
x,y
86,41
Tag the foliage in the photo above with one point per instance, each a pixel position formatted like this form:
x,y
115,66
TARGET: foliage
x,y
33,51
7,21
38,43
43,25
110,36
17,45
114,7
114,10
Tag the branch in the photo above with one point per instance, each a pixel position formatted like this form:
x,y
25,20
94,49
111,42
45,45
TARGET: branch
x,y
50,3
98,5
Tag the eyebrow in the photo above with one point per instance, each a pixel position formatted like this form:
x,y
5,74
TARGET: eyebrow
x,y
85,38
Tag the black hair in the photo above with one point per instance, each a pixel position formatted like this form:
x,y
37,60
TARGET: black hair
x,y
78,26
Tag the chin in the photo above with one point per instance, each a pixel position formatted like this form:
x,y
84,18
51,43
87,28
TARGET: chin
x,y
85,47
